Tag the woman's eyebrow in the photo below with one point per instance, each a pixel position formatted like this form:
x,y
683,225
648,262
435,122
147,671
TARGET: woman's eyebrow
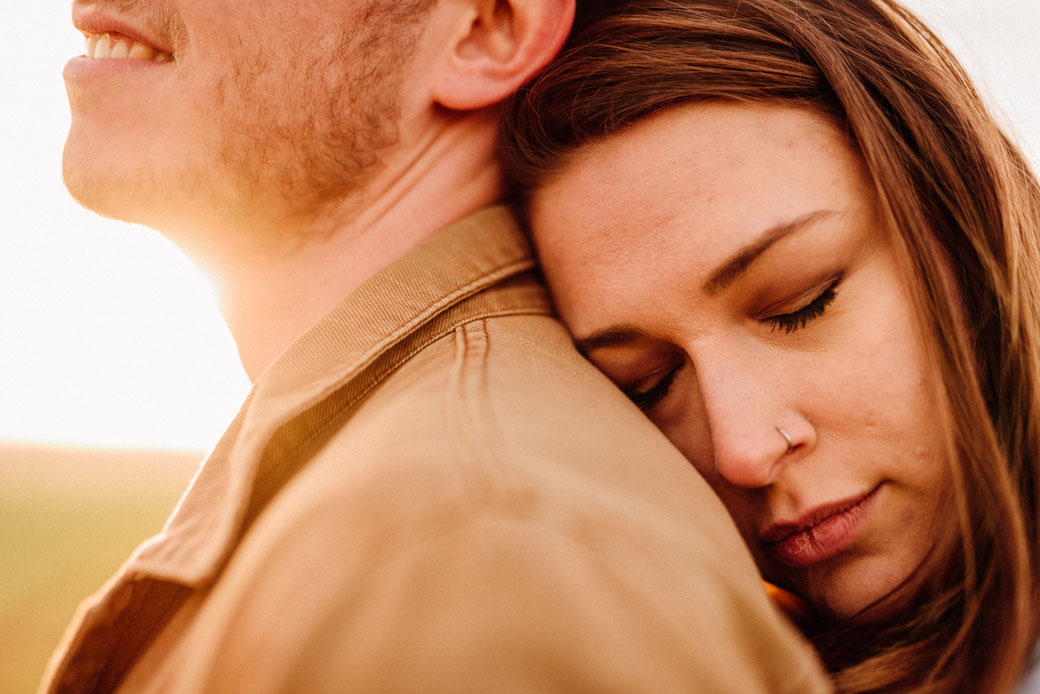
x,y
739,262
719,279
609,337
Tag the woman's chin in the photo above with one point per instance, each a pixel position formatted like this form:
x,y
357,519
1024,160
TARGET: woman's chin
x,y
866,605
862,589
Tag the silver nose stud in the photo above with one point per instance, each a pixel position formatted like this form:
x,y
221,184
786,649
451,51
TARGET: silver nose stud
x,y
787,437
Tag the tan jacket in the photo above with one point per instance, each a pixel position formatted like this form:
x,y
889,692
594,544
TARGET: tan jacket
x,y
430,491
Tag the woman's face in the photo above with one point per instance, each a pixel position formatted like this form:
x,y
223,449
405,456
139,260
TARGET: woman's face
x,y
724,265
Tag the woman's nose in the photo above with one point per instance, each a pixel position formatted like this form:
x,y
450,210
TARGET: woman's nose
x,y
752,432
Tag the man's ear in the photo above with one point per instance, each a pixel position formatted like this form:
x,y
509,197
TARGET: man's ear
x,y
496,46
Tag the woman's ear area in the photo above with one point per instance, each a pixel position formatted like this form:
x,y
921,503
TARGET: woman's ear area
x,y
495,46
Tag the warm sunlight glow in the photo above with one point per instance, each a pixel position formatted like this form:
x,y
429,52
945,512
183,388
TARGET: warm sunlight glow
x,y
110,337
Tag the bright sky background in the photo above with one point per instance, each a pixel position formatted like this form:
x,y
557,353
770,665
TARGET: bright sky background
x,y
109,337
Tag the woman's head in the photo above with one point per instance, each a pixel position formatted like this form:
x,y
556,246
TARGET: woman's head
x,y
796,215
721,263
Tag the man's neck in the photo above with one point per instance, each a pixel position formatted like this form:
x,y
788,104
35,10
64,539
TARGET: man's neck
x,y
272,290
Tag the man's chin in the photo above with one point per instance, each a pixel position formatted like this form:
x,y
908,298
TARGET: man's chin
x,y
99,190
129,196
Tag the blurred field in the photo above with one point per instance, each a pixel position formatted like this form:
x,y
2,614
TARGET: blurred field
x,y
68,519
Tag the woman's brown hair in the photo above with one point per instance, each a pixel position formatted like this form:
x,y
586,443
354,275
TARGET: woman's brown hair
x,y
957,198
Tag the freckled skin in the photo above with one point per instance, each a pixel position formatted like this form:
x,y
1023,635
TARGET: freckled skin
x,y
628,234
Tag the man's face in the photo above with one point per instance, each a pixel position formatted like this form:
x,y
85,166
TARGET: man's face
x,y
268,108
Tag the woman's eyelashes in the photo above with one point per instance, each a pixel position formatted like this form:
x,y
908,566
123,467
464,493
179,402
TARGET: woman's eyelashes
x,y
796,320
650,396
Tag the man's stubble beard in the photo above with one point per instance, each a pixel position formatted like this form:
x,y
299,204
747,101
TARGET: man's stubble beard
x,y
317,132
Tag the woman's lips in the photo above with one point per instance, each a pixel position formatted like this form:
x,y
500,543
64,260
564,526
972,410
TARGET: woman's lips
x,y
825,532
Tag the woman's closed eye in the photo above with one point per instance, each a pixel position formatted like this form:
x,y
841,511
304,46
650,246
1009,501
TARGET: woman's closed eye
x,y
796,320
648,392
648,395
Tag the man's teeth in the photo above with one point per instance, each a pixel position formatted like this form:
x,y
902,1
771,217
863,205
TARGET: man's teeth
x,y
102,46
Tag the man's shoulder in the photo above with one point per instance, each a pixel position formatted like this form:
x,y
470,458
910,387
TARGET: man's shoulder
x,y
503,418
495,503
514,367
509,393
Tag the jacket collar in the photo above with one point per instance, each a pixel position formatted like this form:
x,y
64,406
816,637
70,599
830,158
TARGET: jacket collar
x,y
480,251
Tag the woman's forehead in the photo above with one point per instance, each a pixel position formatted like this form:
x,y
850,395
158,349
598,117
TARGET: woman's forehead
x,y
702,178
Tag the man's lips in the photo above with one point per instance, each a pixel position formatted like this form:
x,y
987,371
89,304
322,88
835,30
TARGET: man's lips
x,y
820,533
108,36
